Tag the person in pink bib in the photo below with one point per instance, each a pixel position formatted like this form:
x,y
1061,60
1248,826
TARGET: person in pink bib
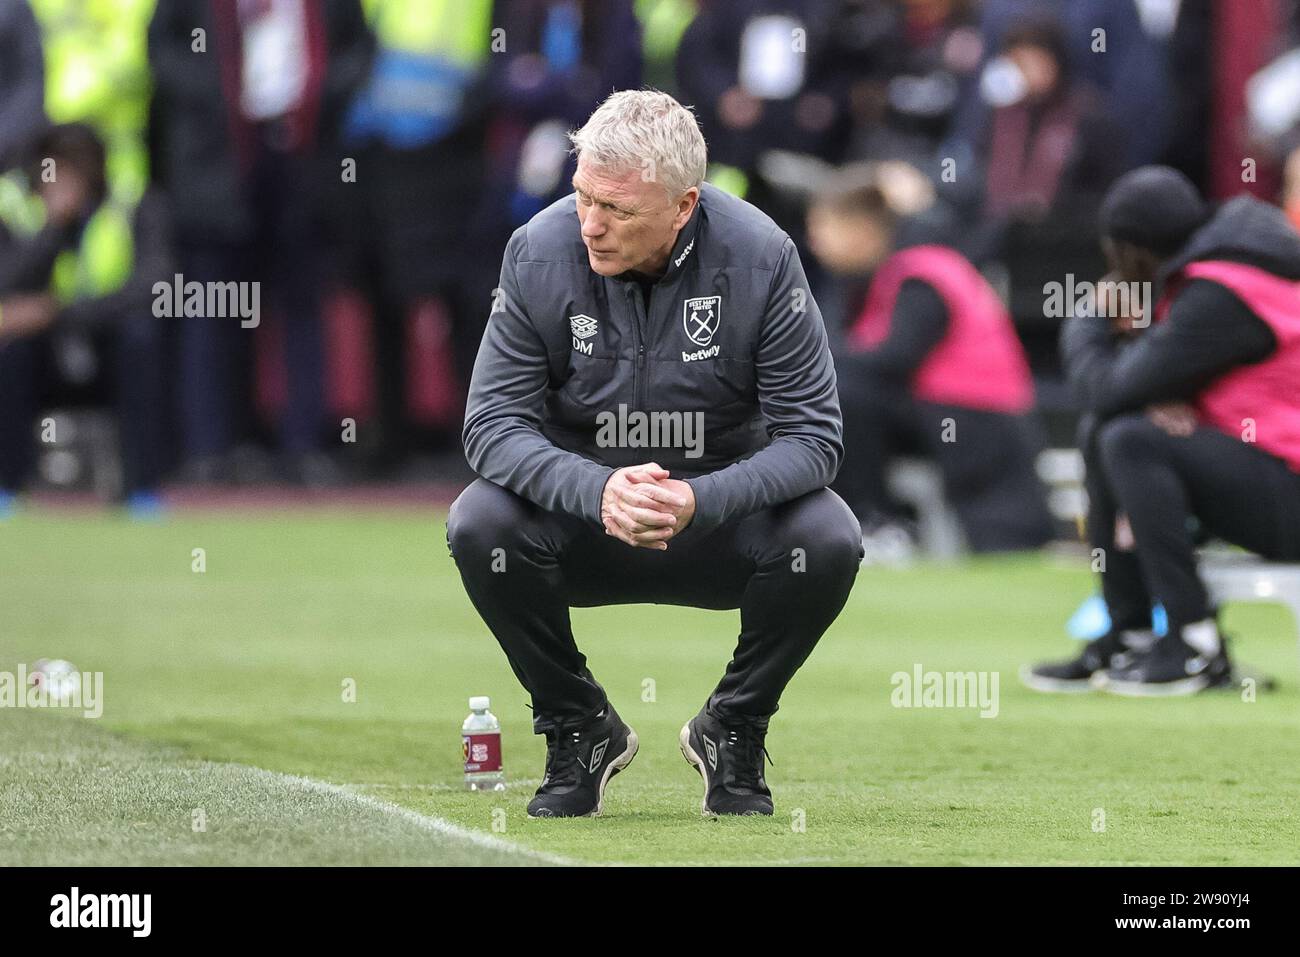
x,y
1192,425
930,365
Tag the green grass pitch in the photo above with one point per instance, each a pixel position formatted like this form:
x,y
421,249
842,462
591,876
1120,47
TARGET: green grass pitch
x,y
224,695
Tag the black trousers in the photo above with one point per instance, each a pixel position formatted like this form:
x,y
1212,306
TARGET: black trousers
x,y
215,380
789,570
987,463
1234,489
134,353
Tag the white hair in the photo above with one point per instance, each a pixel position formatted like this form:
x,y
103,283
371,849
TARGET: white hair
x,y
648,131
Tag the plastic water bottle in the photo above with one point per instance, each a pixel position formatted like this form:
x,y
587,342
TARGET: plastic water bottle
x,y
481,744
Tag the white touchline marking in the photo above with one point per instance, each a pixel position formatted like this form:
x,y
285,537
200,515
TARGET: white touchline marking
x,y
424,821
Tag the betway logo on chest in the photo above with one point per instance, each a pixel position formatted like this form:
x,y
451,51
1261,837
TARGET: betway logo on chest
x,y
708,353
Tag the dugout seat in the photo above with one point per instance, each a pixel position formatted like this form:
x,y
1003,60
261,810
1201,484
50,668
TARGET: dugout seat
x,y
1244,577
919,483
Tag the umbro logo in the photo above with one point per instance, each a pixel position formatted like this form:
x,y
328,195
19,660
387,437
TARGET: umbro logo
x,y
582,327
598,755
710,751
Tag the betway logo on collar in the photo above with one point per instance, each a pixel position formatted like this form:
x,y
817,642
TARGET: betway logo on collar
x,y
685,252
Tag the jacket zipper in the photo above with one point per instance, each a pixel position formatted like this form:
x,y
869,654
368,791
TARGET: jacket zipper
x,y
638,371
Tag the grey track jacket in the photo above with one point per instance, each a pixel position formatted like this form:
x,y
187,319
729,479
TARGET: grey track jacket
x,y
731,331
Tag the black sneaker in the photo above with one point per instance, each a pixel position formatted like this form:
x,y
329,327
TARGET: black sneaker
x,y
580,760
1077,674
730,759
1170,668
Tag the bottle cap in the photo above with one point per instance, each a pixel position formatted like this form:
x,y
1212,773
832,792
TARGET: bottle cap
x,y
479,702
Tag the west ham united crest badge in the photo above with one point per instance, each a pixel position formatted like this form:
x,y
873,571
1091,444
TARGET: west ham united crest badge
x,y
700,318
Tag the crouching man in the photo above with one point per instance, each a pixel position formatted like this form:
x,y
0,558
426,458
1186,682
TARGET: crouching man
x,y
1196,418
642,306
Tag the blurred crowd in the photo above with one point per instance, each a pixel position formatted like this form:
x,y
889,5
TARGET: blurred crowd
x,y
365,161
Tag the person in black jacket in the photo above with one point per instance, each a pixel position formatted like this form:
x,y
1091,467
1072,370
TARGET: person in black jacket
x,y
1195,419
22,80
248,105
653,418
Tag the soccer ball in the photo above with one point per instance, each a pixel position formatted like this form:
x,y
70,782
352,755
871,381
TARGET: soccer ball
x,y
58,677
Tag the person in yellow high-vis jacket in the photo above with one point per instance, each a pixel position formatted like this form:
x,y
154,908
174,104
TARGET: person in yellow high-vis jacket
x,y
77,268
417,128
97,72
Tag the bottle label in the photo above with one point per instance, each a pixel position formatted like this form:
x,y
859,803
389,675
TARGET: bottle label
x,y
482,752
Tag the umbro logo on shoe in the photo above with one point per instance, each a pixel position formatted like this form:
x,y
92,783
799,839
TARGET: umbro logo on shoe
x,y
733,778
1196,665
573,787
598,755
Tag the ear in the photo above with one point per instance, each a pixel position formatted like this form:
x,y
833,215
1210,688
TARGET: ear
x,y
686,206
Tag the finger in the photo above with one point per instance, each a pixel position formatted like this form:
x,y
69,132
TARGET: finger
x,y
660,494
639,528
647,473
649,517
656,546
621,524
645,478
644,495
612,528
1161,419
652,505
653,538
635,498
653,535
625,522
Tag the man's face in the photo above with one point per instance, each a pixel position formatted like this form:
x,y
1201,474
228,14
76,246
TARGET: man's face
x,y
67,197
1039,68
846,243
1128,262
627,222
